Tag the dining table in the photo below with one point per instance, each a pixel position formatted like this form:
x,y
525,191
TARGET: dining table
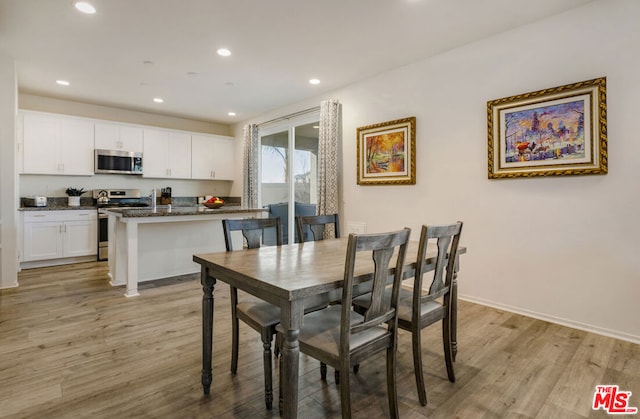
x,y
286,276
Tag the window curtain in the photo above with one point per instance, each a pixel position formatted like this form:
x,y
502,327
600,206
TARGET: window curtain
x,y
329,140
251,161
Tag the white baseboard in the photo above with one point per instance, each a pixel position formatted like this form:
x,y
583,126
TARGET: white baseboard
x,y
57,262
553,319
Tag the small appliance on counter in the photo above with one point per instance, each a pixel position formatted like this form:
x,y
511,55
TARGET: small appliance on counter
x,y
35,201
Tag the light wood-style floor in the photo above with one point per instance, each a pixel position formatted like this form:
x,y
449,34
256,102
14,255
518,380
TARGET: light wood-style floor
x,y
72,346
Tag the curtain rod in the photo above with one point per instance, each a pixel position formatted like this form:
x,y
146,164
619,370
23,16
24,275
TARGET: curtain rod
x,y
293,115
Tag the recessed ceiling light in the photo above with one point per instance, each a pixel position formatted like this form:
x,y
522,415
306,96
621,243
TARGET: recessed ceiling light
x,y
231,114
316,127
158,100
223,52
85,7
314,81
63,82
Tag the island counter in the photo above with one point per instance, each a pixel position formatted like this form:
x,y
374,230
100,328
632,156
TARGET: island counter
x,y
146,244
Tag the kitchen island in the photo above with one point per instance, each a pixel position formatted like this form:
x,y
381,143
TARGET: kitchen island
x,y
147,244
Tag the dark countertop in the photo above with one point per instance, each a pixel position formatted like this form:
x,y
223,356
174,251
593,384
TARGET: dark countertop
x,y
164,211
55,207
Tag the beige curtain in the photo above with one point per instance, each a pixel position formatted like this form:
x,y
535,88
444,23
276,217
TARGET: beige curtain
x,y
251,164
329,141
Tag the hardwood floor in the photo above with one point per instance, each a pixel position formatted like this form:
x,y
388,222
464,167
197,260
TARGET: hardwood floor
x,y
73,346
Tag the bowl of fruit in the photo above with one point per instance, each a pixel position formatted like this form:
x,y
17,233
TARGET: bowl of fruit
x,y
213,202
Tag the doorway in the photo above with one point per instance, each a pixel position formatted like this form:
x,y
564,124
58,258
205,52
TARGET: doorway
x,y
288,171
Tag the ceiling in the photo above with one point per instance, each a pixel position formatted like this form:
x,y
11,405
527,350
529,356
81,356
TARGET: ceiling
x,y
132,51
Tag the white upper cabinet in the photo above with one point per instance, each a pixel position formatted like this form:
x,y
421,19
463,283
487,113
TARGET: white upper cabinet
x,y
118,137
167,154
212,157
57,145
64,145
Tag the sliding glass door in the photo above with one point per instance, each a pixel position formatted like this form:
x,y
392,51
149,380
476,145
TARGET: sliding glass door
x,y
288,175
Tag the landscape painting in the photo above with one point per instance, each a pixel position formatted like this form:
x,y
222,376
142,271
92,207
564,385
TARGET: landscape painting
x,y
386,153
558,131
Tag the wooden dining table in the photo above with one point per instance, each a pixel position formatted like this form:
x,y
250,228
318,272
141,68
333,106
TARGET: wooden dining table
x,y
285,276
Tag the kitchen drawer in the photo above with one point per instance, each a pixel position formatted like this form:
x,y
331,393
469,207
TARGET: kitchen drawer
x,y
61,215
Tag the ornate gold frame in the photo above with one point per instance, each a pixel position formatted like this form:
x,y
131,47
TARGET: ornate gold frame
x,y
400,131
589,157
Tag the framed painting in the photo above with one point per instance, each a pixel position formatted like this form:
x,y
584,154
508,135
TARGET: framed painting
x,y
552,132
386,153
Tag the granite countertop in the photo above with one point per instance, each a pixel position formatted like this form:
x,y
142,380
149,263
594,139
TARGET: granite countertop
x,y
54,207
163,210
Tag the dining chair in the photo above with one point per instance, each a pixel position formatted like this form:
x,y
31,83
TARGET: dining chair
x,y
259,315
312,227
341,337
418,308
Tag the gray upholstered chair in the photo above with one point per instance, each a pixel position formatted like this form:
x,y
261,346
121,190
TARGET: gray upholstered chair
x,y
420,308
281,210
340,337
312,227
259,315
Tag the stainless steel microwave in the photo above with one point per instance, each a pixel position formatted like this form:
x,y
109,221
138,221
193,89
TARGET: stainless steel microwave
x,y
116,161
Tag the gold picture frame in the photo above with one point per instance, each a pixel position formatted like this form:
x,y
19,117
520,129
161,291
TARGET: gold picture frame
x,y
560,131
386,153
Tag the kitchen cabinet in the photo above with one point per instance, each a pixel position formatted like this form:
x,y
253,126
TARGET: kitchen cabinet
x,y
118,137
167,154
212,157
59,234
57,145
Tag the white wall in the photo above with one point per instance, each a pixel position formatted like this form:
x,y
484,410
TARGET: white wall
x,y
8,195
88,110
561,249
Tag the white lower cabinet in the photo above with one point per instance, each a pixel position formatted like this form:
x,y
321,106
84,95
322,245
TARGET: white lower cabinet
x,y
59,234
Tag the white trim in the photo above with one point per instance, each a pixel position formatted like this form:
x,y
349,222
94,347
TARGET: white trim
x,y
553,319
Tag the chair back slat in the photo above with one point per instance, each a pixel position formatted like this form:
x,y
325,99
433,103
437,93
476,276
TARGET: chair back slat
x,y
381,309
379,306
252,230
447,238
319,226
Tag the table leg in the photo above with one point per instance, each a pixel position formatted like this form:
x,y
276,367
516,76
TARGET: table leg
x,y
291,319
208,283
454,309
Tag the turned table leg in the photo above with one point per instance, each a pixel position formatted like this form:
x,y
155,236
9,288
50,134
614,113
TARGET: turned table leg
x,y
208,284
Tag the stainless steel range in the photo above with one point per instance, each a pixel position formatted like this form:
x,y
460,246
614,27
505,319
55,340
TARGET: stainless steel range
x,y
113,198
